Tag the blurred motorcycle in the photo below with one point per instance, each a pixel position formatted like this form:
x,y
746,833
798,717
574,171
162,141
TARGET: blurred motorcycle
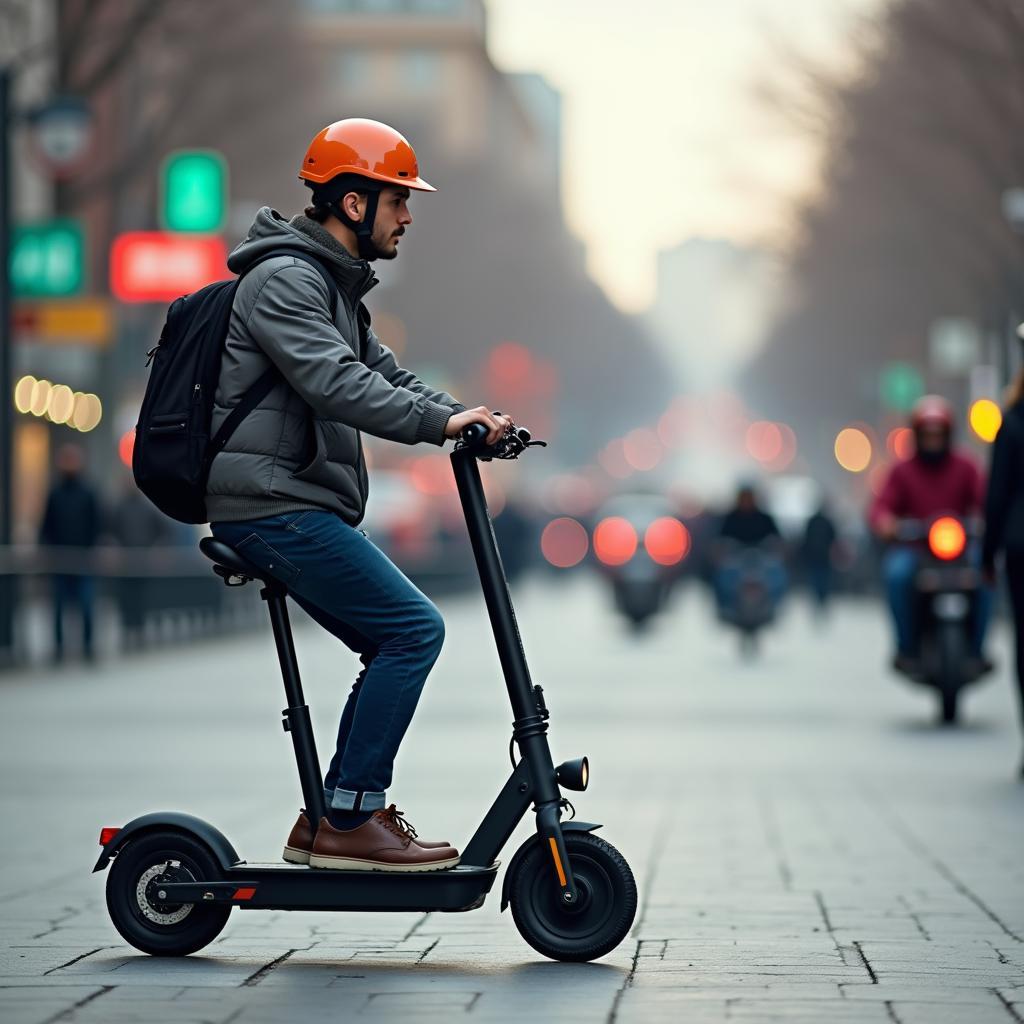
x,y
749,581
947,588
640,547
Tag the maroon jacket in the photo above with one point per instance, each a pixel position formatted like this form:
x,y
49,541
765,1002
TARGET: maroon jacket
x,y
915,489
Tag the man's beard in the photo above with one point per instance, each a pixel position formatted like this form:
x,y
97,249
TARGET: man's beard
x,y
934,458
377,253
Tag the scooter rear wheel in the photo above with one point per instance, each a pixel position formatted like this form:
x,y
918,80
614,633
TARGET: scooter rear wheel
x,y
147,923
597,923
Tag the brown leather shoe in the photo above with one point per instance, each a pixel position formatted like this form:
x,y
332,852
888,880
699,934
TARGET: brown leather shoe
x,y
384,843
300,840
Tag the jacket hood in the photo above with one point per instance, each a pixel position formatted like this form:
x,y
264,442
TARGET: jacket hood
x,y
271,231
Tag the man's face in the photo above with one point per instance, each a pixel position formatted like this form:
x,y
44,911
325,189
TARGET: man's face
x,y
393,217
932,439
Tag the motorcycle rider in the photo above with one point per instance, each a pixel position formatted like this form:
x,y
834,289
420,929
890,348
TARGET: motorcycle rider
x,y
747,525
936,480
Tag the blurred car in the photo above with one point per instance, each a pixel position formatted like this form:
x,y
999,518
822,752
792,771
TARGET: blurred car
x,y
409,526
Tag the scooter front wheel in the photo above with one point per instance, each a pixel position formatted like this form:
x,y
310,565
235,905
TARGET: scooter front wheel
x,y
133,895
601,917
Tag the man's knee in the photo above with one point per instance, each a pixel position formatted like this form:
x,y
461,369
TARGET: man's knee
x,y
430,628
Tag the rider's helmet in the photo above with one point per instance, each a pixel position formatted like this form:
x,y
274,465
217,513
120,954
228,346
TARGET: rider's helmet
x,y
359,155
929,413
931,410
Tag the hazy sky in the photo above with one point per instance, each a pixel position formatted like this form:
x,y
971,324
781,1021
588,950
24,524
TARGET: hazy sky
x,y
663,137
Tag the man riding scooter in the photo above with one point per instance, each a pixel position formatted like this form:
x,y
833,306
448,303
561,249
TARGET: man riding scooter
x,y
288,489
935,481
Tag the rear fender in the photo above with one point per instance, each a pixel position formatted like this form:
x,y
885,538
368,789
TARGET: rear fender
x,y
567,826
172,821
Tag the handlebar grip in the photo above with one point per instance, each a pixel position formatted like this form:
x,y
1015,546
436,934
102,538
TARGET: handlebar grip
x,y
475,433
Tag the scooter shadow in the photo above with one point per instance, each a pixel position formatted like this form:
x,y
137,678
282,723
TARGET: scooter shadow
x,y
932,727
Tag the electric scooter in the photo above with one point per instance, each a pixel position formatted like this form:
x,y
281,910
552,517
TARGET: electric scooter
x,y
176,878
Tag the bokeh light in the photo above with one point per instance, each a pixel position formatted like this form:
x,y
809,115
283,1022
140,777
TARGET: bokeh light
x,y
853,449
126,447
564,542
900,443
615,540
642,449
985,418
667,541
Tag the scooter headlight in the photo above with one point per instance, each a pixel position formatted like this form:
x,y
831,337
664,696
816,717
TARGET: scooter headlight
x,y
574,774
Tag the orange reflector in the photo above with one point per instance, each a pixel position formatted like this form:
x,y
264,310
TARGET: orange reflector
x,y
558,862
106,834
947,538
244,894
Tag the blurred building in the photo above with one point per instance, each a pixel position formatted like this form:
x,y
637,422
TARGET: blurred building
x,y
489,260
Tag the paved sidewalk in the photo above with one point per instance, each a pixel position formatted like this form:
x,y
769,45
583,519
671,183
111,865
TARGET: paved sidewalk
x,y
808,845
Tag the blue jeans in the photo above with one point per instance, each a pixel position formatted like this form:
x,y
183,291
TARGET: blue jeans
x,y
351,588
899,567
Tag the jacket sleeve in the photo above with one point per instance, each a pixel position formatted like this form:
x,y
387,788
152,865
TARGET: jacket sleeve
x,y
290,322
380,358
997,500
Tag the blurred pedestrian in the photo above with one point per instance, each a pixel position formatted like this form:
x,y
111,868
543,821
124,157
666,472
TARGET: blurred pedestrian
x,y
816,550
72,520
1004,517
936,480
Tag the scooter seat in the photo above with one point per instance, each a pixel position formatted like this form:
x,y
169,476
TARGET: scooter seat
x,y
228,562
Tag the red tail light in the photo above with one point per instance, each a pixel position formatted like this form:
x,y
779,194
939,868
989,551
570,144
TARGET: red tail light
x,y
667,541
946,538
106,834
615,540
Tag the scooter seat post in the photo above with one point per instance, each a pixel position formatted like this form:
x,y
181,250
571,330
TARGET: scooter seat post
x,y
296,718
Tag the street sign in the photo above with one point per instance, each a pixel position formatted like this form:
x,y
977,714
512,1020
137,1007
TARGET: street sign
x,y
86,322
47,259
62,134
193,191
156,266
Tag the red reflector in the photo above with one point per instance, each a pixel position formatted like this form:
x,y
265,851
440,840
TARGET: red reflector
x,y
244,894
106,834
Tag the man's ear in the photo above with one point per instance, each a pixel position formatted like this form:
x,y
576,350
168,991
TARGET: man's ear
x,y
354,205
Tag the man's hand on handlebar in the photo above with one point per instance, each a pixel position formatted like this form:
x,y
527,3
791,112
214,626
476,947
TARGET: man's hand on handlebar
x,y
497,424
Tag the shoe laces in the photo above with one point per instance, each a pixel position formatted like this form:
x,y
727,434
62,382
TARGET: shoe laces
x,y
396,823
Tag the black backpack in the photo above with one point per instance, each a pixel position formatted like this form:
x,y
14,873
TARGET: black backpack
x,y
173,448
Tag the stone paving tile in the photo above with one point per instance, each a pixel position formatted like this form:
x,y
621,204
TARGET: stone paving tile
x,y
805,851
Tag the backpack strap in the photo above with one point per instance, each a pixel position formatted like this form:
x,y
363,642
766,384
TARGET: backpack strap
x,y
267,380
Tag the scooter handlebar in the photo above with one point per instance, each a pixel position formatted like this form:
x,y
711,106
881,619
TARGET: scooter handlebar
x,y
510,446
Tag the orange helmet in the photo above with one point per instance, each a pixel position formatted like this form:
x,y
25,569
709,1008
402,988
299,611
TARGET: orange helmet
x,y
366,148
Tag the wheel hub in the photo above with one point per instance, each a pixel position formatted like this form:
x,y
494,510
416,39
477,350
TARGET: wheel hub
x,y
147,893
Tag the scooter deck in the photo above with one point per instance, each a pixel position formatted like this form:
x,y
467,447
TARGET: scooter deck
x,y
297,887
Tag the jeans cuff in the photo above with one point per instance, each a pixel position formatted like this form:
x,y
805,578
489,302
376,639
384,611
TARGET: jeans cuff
x,y
357,800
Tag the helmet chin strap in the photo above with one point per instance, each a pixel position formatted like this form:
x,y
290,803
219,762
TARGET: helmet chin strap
x,y
363,229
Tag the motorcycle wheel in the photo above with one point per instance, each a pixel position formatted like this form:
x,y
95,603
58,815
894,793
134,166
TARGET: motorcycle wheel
x,y
952,655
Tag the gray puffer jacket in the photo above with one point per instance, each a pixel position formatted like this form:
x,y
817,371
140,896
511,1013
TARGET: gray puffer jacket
x,y
301,447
